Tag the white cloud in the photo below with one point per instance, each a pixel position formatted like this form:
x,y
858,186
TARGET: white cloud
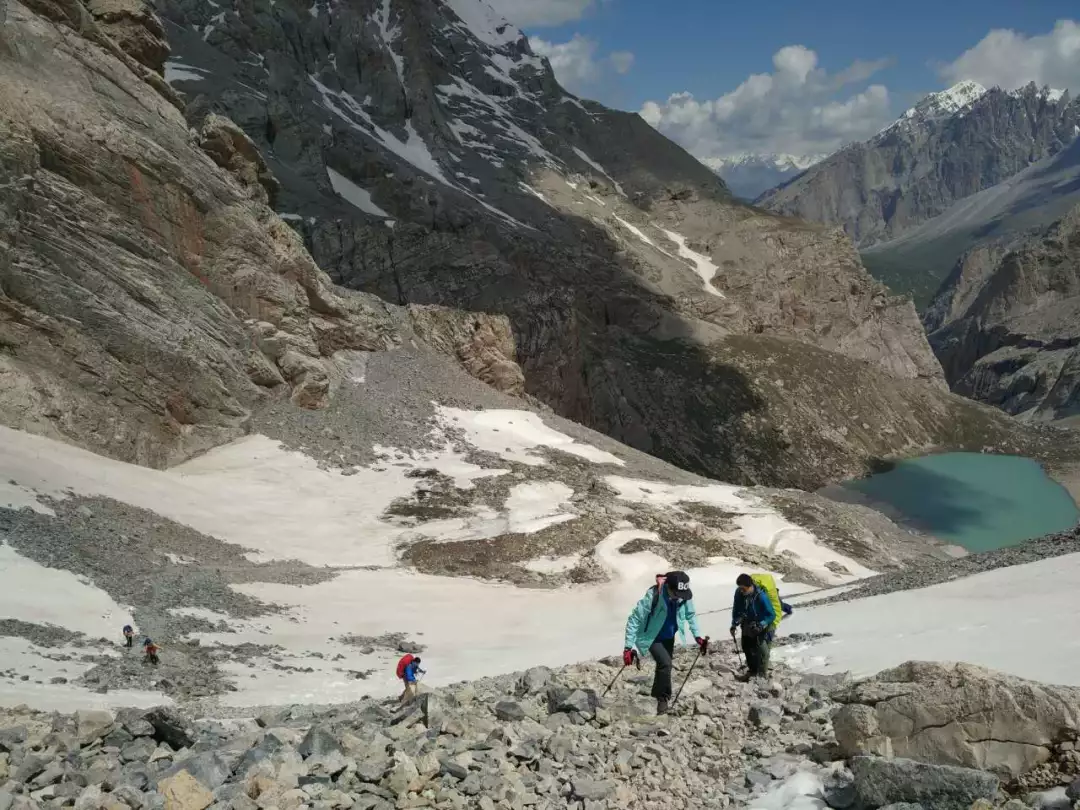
x,y
622,61
576,64
1010,60
793,110
539,13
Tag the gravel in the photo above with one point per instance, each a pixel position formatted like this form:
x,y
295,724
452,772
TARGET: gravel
x,y
934,573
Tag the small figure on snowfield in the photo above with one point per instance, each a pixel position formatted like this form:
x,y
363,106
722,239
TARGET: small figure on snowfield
x,y
150,652
407,670
129,636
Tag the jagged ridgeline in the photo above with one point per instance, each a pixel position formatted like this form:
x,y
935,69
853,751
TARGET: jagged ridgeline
x,y
423,156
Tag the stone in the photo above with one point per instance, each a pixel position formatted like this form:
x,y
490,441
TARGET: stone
x,y
318,742
764,716
565,701
956,714
210,769
183,792
135,723
403,775
880,781
839,789
6,799
140,749
93,725
12,737
1053,799
1073,790
169,727
533,681
593,789
509,711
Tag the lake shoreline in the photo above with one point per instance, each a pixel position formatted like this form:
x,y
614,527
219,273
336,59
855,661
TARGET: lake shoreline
x,y
976,502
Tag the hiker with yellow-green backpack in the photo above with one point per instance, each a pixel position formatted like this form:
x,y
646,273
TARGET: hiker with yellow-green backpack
x,y
757,609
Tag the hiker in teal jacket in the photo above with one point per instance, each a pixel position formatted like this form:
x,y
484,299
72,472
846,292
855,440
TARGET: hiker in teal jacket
x,y
653,624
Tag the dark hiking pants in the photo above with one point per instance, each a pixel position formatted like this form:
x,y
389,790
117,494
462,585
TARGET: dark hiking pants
x,y
662,652
756,649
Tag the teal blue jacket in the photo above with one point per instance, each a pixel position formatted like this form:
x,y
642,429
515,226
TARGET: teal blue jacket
x,y
646,621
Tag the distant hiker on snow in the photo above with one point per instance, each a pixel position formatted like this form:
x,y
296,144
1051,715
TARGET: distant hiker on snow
x,y
129,635
757,610
653,624
407,670
150,652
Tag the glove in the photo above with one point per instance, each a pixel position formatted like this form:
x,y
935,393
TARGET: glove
x,y
703,644
764,628
628,656
733,631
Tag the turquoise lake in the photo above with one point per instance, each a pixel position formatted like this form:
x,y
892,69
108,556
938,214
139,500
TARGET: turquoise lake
x,y
980,502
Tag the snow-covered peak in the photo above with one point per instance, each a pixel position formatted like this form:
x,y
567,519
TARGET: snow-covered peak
x,y
947,102
779,161
940,105
484,22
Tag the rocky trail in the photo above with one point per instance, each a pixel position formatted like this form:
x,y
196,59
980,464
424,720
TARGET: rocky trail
x,y
550,739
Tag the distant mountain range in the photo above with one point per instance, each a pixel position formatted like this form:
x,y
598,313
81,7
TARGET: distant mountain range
x,y
749,176
949,146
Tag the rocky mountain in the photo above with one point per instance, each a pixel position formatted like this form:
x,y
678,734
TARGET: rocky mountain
x,y
154,304
1006,323
749,176
951,145
1023,205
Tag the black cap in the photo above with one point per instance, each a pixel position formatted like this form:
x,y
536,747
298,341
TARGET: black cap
x,y
679,583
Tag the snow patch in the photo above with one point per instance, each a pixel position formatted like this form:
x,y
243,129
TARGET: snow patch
x,y
977,619
703,265
599,168
72,602
515,435
176,71
536,506
800,791
553,565
361,198
758,523
484,22
389,36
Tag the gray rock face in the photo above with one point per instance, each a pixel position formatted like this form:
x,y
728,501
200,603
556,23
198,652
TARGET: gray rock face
x,y
148,300
611,324
1006,323
880,781
912,172
956,714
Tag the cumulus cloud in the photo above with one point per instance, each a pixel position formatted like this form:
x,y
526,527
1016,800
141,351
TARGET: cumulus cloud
x,y
622,61
793,110
576,63
1010,60
539,13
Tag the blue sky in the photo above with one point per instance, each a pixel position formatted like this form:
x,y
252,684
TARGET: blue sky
x,y
867,64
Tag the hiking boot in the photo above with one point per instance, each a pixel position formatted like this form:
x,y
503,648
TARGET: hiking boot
x,y
661,706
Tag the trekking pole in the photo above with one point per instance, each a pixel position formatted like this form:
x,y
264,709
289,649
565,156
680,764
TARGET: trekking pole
x,y
689,672
738,651
637,661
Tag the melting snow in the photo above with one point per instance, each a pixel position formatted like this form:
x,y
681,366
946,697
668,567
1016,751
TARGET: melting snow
x,y
553,565
351,192
759,523
704,266
484,23
978,619
389,36
536,506
179,72
599,168
514,435
530,190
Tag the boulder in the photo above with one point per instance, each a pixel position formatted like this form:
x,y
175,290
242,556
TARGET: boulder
x,y
169,728
956,714
318,742
183,792
880,781
533,681
93,725
509,711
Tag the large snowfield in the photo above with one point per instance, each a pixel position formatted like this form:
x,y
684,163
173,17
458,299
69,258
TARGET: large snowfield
x,y
281,505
